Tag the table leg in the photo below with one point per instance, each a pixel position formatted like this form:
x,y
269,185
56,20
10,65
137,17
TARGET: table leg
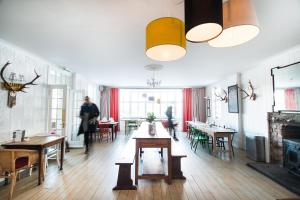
x,y
112,133
62,151
229,145
116,131
214,147
41,166
136,163
169,164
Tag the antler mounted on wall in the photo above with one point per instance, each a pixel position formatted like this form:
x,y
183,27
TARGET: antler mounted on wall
x,y
250,93
13,88
220,97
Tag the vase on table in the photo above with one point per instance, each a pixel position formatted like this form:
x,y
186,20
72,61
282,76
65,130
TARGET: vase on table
x,y
151,128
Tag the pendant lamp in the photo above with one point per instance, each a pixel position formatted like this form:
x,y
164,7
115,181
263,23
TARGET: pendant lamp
x,y
240,24
165,39
203,19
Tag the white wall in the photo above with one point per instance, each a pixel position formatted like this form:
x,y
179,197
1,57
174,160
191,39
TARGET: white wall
x,y
31,110
254,113
230,120
90,89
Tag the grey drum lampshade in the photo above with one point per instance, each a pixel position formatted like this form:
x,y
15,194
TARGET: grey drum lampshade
x,y
240,24
203,19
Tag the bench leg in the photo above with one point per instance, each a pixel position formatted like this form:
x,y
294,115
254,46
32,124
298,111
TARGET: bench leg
x,y
161,152
176,168
124,178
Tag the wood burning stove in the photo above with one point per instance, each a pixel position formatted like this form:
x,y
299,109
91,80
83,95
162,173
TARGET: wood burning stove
x,y
291,155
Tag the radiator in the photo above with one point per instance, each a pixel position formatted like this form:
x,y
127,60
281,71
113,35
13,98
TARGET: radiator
x,y
255,148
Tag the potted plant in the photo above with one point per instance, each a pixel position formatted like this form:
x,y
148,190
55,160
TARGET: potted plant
x,y
150,118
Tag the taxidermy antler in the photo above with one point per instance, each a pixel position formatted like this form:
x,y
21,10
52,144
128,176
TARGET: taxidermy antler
x,y
251,94
24,86
225,98
6,84
17,87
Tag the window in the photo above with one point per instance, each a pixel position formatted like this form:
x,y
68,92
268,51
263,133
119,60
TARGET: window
x,y
136,103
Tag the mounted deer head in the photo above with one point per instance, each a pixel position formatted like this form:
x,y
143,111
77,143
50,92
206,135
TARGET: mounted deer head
x,y
222,98
250,93
13,88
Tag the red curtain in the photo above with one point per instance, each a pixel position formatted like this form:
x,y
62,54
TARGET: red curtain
x,y
290,103
114,105
187,107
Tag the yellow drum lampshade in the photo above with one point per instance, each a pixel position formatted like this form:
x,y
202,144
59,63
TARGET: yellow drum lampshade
x,y
165,39
240,24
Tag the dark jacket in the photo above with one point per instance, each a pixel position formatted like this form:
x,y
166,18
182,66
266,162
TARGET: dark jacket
x,y
169,116
88,114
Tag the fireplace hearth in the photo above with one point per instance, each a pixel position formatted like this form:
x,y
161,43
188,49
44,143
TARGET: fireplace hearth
x,y
284,134
282,126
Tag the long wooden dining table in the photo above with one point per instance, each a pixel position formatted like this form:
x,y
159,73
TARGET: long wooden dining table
x,y
39,143
215,132
161,139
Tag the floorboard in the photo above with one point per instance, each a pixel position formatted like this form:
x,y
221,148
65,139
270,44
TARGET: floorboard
x,y
93,176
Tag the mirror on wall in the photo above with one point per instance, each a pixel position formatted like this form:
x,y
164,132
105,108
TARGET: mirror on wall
x,y
286,88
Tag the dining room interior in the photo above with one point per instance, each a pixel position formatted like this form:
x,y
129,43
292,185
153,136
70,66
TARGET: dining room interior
x,y
150,99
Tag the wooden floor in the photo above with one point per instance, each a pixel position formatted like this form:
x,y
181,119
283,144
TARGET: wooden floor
x,y
94,176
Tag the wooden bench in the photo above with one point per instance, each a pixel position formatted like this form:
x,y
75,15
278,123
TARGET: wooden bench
x,y
176,154
125,162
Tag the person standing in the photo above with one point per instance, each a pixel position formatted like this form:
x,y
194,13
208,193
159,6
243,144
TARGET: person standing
x,y
171,125
89,113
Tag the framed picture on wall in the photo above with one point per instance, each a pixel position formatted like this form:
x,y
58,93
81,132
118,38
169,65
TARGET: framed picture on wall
x,y
233,102
208,109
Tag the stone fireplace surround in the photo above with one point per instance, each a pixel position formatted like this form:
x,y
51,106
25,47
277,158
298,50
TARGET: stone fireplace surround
x,y
282,126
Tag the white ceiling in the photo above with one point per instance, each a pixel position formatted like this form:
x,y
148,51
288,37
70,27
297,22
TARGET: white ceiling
x,y
105,39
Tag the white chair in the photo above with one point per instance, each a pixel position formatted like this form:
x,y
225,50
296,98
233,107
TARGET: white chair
x,y
52,152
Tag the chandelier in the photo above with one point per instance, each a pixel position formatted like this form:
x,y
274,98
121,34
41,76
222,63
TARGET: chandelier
x,y
153,82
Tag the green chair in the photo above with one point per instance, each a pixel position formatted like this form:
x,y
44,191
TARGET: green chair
x,y
193,136
131,124
199,137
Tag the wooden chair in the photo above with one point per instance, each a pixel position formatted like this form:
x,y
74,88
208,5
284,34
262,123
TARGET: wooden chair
x,y
165,124
104,131
221,141
13,161
188,127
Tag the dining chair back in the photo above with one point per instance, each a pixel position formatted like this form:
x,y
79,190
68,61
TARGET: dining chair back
x,y
14,160
52,152
104,131
131,124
